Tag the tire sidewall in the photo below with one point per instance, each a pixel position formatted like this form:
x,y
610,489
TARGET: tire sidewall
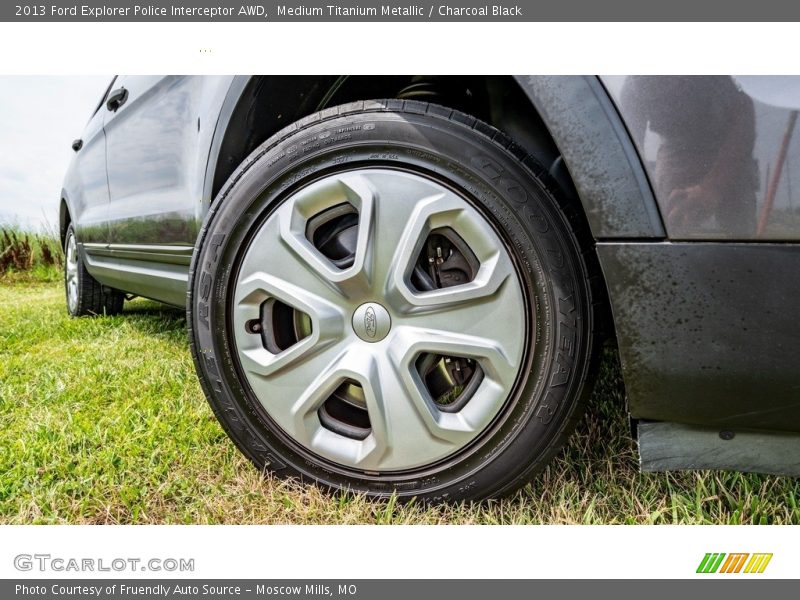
x,y
525,215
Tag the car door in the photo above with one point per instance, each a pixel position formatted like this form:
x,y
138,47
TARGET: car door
x,y
158,133
150,137
86,185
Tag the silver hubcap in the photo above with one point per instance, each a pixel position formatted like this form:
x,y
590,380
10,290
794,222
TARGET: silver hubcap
x,y
71,268
395,355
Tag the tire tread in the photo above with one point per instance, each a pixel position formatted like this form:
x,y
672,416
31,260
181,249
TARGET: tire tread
x,y
94,298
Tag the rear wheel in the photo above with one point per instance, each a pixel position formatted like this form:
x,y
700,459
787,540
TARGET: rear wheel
x,y
387,299
85,295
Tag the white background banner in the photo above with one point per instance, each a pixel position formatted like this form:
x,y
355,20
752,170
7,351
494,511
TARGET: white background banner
x,y
351,551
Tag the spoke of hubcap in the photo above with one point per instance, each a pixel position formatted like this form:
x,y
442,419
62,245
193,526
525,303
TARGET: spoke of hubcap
x,y
349,365
289,393
490,354
498,368
416,428
404,202
404,428
326,317
443,210
293,217
269,252
496,322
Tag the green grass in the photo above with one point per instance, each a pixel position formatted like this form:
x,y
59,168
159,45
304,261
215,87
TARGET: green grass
x,y
103,421
30,256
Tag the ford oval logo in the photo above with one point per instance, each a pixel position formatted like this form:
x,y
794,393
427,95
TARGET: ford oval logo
x,y
370,322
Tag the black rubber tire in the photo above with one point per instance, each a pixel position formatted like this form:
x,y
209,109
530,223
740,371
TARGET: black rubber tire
x,y
512,191
93,298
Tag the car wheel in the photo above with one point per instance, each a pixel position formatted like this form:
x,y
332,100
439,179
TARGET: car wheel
x,y
387,298
85,295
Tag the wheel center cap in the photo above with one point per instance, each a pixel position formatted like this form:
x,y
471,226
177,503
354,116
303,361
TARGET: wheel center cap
x,y
371,322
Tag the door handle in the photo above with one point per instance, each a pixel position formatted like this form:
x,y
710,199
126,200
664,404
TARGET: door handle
x,y
77,145
116,99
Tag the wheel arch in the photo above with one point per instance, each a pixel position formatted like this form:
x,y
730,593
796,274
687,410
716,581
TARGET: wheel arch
x,y
64,217
599,154
569,124
257,107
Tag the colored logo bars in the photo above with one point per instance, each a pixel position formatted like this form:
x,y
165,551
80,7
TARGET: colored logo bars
x,y
717,562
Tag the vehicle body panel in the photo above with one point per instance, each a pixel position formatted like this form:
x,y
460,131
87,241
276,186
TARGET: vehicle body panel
x,y
157,149
706,332
88,187
147,179
601,160
712,148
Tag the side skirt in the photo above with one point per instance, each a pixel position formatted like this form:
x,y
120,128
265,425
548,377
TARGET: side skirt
x,y
672,447
157,272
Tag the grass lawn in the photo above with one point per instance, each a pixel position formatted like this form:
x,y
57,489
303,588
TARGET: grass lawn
x,y
103,421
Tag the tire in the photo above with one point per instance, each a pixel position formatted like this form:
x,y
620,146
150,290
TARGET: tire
x,y
410,171
84,294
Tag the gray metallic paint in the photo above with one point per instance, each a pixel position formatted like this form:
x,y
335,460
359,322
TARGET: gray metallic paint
x,y
163,275
711,146
157,148
138,180
86,188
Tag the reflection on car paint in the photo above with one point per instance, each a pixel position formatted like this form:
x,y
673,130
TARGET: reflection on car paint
x,y
720,153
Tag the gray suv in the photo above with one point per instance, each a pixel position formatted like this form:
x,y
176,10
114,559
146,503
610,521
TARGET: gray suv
x,y
407,295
